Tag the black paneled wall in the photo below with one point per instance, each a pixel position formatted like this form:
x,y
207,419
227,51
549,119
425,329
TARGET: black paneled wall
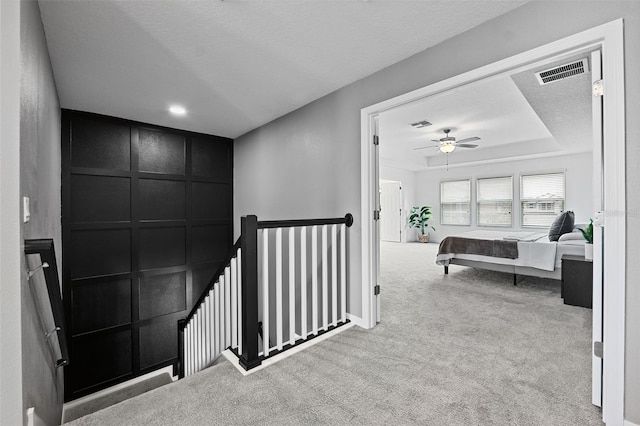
x,y
147,220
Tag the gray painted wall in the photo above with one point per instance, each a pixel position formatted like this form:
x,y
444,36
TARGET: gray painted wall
x,y
40,176
578,178
10,229
307,163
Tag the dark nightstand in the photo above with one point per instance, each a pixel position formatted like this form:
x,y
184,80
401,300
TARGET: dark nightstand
x,y
577,281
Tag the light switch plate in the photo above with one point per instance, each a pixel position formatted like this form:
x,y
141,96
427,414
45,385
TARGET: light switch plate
x,y
26,212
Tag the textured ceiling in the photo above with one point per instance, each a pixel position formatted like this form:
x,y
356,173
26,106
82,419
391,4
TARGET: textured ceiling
x,y
513,115
235,65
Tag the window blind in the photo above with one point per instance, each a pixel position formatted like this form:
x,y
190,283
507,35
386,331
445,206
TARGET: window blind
x,y
455,202
542,198
495,201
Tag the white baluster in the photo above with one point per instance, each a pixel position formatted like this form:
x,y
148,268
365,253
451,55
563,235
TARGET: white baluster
x,y
334,274
325,278
207,343
198,319
217,329
343,272
240,302
279,288
211,322
314,279
234,303
227,308
187,353
265,292
292,286
303,282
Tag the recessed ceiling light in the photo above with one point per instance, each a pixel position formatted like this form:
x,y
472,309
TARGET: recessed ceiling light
x,y
177,110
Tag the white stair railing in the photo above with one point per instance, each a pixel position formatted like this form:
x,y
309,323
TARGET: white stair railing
x,y
297,285
215,323
311,298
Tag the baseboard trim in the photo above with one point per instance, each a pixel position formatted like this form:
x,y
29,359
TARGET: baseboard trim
x,y
628,423
233,359
357,321
119,386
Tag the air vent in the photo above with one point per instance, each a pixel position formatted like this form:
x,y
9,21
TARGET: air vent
x,y
421,124
563,71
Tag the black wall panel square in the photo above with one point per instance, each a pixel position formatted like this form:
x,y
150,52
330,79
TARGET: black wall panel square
x,y
161,152
162,247
162,294
211,201
210,243
100,198
211,157
100,305
201,278
161,199
158,343
100,252
96,360
100,144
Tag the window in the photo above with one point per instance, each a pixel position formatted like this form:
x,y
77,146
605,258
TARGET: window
x,y
495,201
542,198
455,202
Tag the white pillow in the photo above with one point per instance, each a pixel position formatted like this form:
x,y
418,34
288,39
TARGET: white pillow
x,y
571,236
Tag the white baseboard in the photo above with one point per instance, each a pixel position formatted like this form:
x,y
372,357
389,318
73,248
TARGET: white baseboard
x,y
233,359
357,321
628,423
119,386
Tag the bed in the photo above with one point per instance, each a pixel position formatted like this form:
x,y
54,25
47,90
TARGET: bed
x,y
518,253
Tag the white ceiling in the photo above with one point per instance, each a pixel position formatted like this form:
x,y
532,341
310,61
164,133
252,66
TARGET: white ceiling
x,y
514,116
233,64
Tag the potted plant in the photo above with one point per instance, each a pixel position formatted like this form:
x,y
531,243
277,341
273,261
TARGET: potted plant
x,y
419,218
587,233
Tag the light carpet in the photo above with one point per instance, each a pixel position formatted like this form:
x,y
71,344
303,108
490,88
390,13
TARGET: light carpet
x,y
464,349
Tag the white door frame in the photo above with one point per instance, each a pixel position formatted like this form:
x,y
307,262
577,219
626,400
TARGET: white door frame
x,y
609,38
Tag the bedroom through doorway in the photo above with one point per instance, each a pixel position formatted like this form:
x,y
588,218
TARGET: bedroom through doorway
x,y
577,154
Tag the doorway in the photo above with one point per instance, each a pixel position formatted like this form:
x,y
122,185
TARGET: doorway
x,y
607,37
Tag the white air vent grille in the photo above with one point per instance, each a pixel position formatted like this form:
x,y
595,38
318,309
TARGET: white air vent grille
x,y
562,72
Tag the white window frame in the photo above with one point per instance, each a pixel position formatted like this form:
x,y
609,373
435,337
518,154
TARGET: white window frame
x,y
510,224
523,199
469,203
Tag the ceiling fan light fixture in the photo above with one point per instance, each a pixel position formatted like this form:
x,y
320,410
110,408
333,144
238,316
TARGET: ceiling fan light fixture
x,y
447,148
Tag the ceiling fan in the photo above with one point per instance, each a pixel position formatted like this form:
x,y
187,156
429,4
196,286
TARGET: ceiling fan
x,y
449,144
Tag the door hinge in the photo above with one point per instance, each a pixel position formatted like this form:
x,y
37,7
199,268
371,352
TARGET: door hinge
x,y
376,290
376,140
597,349
376,215
598,219
598,88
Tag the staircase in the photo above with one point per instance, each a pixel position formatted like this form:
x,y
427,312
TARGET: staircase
x,y
284,283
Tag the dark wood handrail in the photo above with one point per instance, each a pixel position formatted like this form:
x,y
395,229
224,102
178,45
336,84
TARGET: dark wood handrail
x,y
264,224
44,247
219,272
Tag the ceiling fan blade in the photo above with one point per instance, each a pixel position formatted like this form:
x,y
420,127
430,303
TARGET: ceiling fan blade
x,y
475,138
425,147
466,145
435,140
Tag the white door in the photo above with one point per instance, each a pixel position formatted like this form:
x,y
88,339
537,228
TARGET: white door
x,y
598,205
391,211
376,225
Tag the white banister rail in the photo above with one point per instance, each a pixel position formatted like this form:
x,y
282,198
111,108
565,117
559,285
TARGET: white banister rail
x,y
214,324
315,284
277,289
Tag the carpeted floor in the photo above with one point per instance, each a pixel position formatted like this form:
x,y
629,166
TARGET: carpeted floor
x,y
464,349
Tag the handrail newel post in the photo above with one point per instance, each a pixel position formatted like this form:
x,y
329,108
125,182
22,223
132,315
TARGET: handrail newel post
x,y
181,325
249,243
